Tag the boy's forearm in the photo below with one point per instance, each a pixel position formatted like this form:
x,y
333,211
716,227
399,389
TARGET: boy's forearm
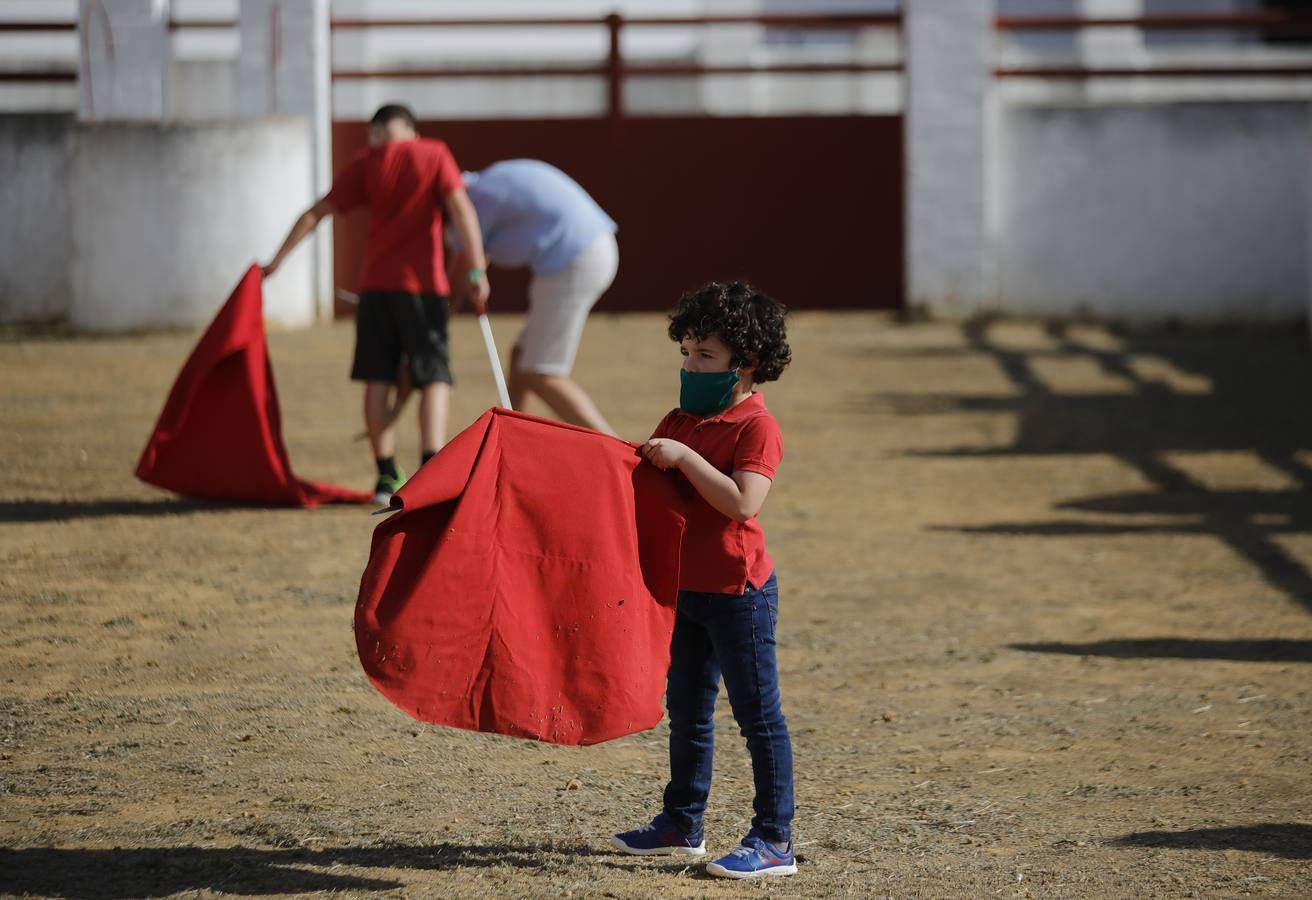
x,y
716,488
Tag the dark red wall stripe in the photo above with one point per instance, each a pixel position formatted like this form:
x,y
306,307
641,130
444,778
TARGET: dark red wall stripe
x,y
807,208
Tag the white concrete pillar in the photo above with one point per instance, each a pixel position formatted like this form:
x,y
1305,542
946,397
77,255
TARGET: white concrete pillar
x,y
124,60
285,69
949,51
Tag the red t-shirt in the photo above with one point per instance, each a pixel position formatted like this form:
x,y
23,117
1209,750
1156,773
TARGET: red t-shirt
x,y
403,183
720,555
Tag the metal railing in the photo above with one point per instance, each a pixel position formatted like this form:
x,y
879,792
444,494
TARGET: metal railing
x,y
614,68
70,26
38,76
1273,23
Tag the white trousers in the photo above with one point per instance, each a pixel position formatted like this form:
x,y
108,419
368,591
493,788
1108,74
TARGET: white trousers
x,y
558,307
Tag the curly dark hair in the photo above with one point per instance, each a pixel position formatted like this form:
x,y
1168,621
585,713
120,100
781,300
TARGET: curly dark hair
x,y
750,322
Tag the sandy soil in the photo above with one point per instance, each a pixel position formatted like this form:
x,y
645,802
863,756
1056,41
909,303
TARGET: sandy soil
x,y
1045,631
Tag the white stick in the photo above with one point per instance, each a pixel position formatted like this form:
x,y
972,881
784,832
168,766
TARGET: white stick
x,y
500,376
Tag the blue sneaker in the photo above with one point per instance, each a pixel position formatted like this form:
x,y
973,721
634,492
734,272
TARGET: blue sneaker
x,y
661,836
755,858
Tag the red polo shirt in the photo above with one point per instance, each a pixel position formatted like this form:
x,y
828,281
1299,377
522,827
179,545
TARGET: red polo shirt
x,y
403,183
720,555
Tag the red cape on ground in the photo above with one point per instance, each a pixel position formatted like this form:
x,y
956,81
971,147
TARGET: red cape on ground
x,y
220,434
526,585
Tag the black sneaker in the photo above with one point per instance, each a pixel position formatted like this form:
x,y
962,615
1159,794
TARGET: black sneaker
x,y
387,486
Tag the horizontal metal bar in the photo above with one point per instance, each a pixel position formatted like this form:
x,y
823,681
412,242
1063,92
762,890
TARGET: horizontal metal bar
x,y
353,24
1059,73
38,26
468,72
175,25
837,20
626,72
209,24
37,77
1273,21
780,69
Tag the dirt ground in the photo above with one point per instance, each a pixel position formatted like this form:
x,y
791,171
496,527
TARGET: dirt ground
x,y
1046,627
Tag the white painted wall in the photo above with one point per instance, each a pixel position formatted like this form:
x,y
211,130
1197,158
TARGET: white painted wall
x,y
201,89
1189,212
1041,198
162,244
35,156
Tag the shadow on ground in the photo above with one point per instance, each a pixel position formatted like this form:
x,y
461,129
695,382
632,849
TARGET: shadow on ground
x,y
1233,393
102,874
67,510
1291,840
1273,650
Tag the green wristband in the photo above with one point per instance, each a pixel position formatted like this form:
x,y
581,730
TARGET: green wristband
x,y
476,275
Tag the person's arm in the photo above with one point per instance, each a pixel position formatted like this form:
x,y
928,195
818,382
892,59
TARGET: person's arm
x,y
740,496
303,228
457,274
461,211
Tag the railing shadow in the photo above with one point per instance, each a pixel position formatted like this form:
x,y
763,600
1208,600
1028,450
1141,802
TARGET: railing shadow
x,y
1254,396
69,510
1272,650
1291,840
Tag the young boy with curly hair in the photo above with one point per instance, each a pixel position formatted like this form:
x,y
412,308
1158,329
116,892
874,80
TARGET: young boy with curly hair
x,y
727,446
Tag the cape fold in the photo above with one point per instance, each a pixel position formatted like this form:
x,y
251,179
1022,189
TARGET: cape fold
x,y
219,436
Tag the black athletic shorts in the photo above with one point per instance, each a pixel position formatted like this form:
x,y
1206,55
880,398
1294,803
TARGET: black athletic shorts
x,y
391,325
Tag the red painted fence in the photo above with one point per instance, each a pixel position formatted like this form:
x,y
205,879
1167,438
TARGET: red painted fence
x,y
807,208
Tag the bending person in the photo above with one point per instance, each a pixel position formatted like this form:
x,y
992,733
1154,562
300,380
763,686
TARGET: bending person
x,y
406,182
532,214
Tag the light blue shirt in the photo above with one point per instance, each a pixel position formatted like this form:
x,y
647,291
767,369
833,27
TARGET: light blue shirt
x,y
532,214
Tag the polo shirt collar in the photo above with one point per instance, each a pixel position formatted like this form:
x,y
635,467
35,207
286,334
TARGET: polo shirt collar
x,y
753,405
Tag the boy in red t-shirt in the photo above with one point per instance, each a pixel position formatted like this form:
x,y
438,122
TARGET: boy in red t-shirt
x,y
727,446
406,182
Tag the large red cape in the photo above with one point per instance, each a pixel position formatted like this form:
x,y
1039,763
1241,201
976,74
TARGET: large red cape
x,y
220,434
526,586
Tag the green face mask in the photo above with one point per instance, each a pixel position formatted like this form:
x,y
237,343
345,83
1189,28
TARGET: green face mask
x,y
705,393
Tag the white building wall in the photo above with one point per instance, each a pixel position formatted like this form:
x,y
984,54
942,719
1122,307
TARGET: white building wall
x,y
161,245
35,157
203,73
202,89
1141,199
1186,212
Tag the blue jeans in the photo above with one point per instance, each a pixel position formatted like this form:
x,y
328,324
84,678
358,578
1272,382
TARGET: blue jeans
x,y
733,636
